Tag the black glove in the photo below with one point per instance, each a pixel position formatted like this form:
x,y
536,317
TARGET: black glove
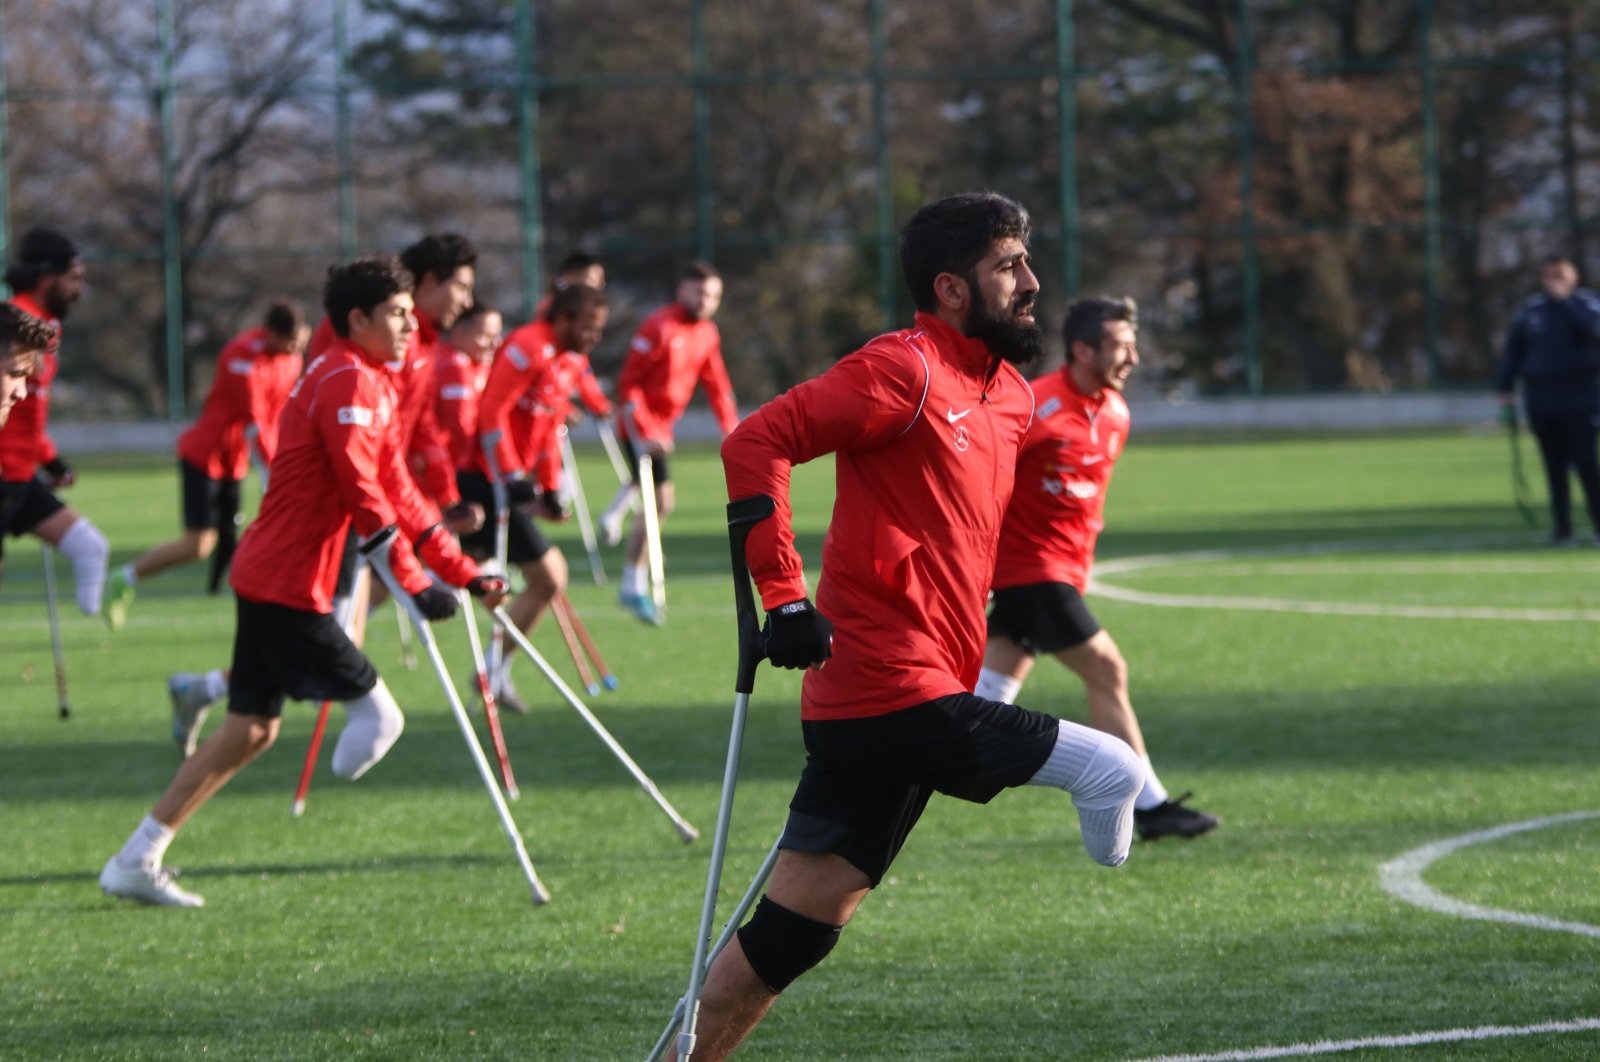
x,y
464,517
550,507
520,491
798,635
484,585
59,472
435,603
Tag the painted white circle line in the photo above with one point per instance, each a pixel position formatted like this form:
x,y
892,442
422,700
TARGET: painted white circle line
x,y
1441,1036
1402,877
1099,585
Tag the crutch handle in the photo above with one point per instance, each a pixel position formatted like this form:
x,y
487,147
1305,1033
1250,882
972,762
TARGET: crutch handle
x,y
378,544
743,515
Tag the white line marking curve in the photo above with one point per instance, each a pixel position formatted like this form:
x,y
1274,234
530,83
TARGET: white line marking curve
x,y
1441,1036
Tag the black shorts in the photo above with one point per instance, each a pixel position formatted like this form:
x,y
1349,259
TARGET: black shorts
x,y
866,781
281,652
524,541
208,504
658,465
1043,617
24,505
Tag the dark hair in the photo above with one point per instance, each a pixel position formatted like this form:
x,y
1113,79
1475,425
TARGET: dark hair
x,y
439,256
361,285
284,318
577,262
699,269
951,235
21,331
1087,319
574,300
478,309
40,253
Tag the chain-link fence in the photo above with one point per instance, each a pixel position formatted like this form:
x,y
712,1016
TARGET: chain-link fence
x,y
1302,196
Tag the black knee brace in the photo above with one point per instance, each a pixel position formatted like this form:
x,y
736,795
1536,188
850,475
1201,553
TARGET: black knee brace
x,y
781,945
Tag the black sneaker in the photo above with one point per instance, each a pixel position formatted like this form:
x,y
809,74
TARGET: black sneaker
x,y
1171,819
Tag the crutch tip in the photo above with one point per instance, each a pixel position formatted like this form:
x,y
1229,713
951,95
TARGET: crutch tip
x,y
540,896
298,808
688,833
593,689
66,713
609,682
513,793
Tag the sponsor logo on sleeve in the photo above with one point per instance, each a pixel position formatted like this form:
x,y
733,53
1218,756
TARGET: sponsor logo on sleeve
x,y
241,366
641,344
455,392
515,355
360,416
1052,405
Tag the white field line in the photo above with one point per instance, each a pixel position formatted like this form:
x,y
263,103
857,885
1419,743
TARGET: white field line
x,y
1098,584
1402,877
1441,1036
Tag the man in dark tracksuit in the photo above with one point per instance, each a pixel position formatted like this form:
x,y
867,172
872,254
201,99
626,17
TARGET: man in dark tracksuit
x,y
1552,345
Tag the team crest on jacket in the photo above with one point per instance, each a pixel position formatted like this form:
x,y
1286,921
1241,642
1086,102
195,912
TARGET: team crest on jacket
x,y
961,439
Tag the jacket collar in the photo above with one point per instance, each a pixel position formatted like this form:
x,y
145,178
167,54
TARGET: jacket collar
x,y
970,354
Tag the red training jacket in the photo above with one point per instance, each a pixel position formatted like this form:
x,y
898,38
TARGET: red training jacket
x,y
24,443
519,362
250,387
339,461
669,354
458,383
926,425
1062,474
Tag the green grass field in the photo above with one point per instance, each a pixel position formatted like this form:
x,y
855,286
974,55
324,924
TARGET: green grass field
x,y
391,921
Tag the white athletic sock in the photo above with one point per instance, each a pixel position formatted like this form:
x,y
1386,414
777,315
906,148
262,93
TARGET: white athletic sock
x,y
998,687
148,843
502,676
130,576
87,549
372,725
216,681
634,580
1154,794
1103,774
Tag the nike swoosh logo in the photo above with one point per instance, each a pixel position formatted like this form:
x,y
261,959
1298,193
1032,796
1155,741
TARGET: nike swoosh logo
x,y
952,416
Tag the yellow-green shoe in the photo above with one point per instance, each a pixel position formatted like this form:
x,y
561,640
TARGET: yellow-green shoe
x,y
119,598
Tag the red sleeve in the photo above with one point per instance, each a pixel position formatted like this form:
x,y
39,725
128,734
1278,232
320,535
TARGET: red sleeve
x,y
430,453
258,413
718,388
456,411
867,399
348,416
590,393
644,359
508,379
544,449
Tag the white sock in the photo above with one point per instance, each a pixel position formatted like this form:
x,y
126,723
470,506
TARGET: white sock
x,y
148,844
216,684
502,676
130,576
1103,774
1154,794
634,581
997,687
87,549
372,725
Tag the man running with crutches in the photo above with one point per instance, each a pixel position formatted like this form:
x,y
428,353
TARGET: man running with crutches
x,y
925,424
575,321
676,348
339,460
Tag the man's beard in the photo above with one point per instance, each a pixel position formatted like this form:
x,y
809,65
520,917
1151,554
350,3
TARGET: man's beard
x,y
56,304
1005,335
